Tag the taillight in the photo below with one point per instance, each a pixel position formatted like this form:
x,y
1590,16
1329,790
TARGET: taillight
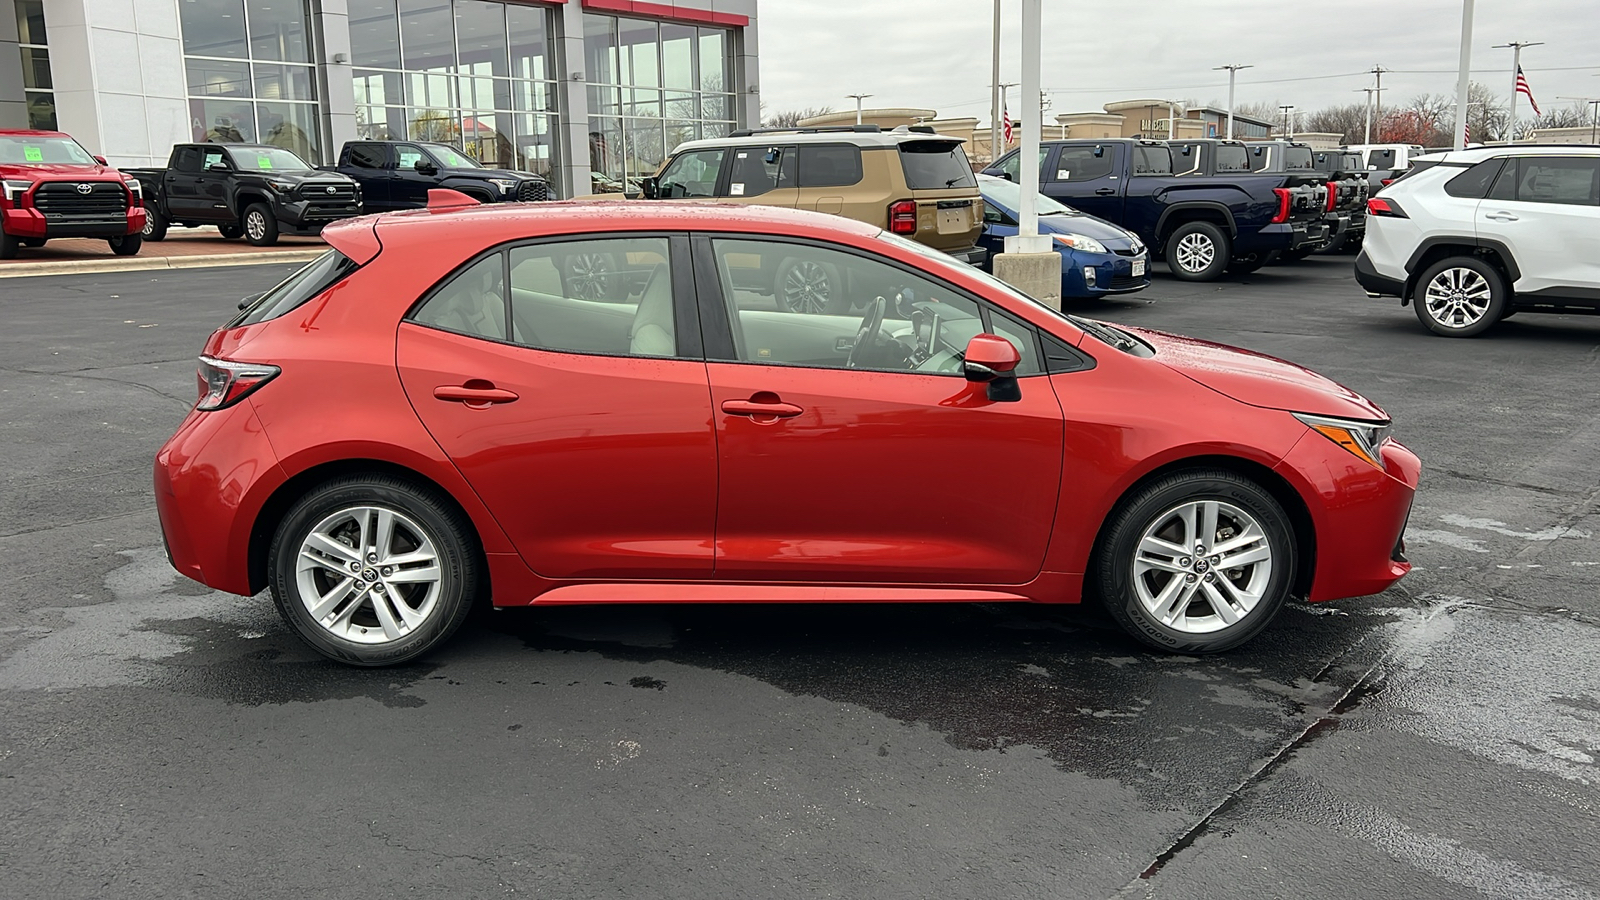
x,y
1282,214
1383,206
1385,182
1333,195
903,217
224,382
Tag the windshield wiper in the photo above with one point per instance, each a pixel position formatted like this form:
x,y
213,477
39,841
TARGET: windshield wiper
x,y
1108,334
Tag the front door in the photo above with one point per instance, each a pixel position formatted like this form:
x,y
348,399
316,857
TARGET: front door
x,y
408,188
852,449
583,424
210,201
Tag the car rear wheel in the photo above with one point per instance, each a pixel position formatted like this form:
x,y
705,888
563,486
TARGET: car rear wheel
x,y
1462,296
9,244
155,227
808,286
126,245
1197,562
1197,251
230,232
35,243
260,228
372,571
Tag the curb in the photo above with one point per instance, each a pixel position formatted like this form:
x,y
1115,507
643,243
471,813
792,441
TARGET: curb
x,y
134,264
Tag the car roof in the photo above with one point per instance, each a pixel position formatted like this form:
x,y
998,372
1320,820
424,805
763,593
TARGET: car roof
x,y
1479,154
864,139
31,132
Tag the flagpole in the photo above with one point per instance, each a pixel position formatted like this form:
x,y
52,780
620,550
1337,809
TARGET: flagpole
x,y
1516,69
1462,80
994,93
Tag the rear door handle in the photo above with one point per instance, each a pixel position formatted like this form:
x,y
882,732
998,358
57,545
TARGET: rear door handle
x,y
475,393
777,410
1500,216
1105,192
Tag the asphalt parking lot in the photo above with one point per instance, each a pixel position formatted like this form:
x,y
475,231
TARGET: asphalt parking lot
x,y
158,739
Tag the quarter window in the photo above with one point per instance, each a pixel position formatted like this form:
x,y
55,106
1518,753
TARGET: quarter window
x,y
1022,336
472,302
692,174
811,306
610,296
1474,182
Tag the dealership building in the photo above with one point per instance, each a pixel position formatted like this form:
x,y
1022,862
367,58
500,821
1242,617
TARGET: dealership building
x,y
590,93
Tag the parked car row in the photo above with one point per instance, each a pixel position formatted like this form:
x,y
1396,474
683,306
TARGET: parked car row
x,y
54,188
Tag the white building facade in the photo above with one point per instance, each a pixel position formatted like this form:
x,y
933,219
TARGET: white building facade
x,y
590,93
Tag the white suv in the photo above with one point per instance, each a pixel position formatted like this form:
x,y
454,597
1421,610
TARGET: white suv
x,y
1474,236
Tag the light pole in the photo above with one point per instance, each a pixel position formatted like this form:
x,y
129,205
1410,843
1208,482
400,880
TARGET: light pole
x,y
858,98
1516,69
1595,125
1288,124
994,91
1232,71
1465,73
1377,106
1028,214
1369,92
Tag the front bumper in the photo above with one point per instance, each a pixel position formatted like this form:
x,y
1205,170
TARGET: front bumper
x,y
1113,274
29,222
310,216
1358,512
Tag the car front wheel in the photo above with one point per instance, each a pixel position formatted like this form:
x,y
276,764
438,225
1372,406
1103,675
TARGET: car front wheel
x,y
1197,562
260,228
1197,251
1460,297
126,245
373,571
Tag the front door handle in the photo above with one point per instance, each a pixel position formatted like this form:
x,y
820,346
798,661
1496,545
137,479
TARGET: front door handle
x,y
477,394
759,410
1105,192
1500,216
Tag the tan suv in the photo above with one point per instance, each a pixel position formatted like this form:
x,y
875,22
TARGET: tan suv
x,y
909,181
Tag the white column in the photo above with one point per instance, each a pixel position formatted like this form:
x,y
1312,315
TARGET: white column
x,y
1232,72
994,91
573,102
1462,79
336,92
1511,114
1028,239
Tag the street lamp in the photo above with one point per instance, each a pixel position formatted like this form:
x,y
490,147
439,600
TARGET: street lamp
x,y
858,98
1232,71
1516,67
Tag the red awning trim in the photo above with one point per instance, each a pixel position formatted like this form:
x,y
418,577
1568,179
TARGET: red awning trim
x,y
668,11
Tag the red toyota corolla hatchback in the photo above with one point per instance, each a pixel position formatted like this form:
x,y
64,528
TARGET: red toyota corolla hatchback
x,y
619,403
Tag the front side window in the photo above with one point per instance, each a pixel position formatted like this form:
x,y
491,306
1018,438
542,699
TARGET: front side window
x,y
473,301
935,165
213,157
1551,179
1083,163
408,155
611,296
692,174
801,305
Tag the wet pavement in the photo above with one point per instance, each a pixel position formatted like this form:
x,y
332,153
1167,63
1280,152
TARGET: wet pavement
x,y
158,739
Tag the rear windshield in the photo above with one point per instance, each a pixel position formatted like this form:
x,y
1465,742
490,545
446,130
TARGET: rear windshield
x,y
1297,158
322,273
935,165
1152,160
1232,158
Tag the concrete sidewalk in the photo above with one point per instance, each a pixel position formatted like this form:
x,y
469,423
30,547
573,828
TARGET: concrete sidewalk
x,y
183,248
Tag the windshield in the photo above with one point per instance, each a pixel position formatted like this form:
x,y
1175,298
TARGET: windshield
x,y
20,150
935,165
266,159
1004,193
449,157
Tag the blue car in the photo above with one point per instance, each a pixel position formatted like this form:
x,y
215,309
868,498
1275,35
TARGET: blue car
x,y
1097,257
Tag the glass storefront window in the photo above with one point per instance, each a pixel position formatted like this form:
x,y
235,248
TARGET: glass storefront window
x,y
291,126
481,38
247,66
37,82
214,28
427,40
528,31
223,121
218,78
278,30
284,82
375,33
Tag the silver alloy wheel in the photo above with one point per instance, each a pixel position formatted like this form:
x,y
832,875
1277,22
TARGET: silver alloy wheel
x,y
149,225
255,224
1202,566
368,575
806,288
1458,297
1196,252
589,276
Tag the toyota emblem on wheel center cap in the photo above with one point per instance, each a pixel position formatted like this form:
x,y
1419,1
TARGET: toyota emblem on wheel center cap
x,y
85,188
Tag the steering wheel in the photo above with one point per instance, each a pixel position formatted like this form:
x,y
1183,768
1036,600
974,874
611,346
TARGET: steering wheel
x,y
871,325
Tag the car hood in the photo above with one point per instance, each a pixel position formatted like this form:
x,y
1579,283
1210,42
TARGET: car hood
x,y
1112,236
1257,379
309,176
40,171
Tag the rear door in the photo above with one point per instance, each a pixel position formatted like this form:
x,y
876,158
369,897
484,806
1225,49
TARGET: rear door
x,y
583,423
1547,210
181,184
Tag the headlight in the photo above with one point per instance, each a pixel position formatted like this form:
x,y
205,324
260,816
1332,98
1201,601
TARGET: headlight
x,y
135,189
1361,438
506,185
1080,242
15,189
283,186
1138,245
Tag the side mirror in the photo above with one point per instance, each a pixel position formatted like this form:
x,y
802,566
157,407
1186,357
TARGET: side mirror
x,y
992,360
219,167
101,160
650,187
425,167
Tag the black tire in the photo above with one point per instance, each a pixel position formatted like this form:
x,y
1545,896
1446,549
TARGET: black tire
x,y
9,244
1458,308
1157,503
34,243
155,226
260,227
126,245
808,286
1198,239
231,232
442,523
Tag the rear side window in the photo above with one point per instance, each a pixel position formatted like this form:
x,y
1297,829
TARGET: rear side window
x,y
1232,159
368,156
1551,179
1152,161
1185,158
935,165
321,274
187,159
829,166
1083,163
755,171
1474,182
473,301
1297,158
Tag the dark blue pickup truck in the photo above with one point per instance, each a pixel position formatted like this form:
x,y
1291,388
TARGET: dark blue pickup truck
x,y
1203,224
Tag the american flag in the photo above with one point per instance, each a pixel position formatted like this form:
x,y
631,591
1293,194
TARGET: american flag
x,y
1005,123
1522,88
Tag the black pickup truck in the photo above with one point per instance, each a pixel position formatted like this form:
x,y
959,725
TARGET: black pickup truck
x,y
1204,223
254,191
1347,178
398,174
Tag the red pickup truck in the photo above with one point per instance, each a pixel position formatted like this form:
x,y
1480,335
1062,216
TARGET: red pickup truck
x,y
53,188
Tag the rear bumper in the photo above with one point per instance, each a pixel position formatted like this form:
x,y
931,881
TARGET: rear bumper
x,y
972,256
1374,284
1281,236
31,223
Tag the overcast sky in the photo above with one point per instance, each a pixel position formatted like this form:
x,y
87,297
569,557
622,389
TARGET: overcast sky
x,y
935,54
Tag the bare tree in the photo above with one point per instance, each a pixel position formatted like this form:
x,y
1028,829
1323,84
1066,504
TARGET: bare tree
x,y
1572,116
1348,121
789,118
1263,111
